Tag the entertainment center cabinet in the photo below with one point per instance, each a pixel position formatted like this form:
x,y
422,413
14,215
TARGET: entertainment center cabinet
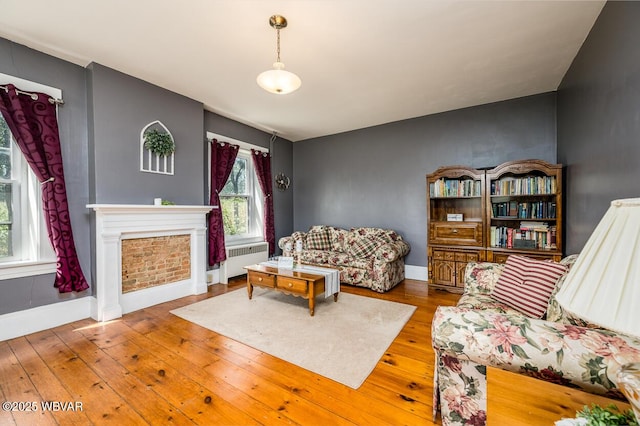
x,y
487,215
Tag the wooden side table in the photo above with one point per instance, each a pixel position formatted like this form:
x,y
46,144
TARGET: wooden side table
x,y
514,399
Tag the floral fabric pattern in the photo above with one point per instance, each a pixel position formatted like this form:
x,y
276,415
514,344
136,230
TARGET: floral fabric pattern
x,y
378,263
481,331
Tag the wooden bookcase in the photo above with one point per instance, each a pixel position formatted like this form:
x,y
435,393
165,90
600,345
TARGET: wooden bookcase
x,y
477,215
524,210
456,216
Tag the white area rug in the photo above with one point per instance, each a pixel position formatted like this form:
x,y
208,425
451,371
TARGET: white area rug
x,y
343,341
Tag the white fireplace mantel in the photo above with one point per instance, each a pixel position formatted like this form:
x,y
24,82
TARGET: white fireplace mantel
x,y
115,222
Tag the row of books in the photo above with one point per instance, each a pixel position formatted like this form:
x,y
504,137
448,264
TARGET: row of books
x,y
528,185
524,210
455,188
528,236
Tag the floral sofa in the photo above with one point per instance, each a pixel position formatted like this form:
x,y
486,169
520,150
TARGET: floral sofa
x,y
366,257
482,331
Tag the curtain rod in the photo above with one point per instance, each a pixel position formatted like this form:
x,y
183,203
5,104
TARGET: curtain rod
x,y
52,100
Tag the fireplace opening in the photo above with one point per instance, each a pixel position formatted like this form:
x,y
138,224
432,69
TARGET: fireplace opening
x,y
155,261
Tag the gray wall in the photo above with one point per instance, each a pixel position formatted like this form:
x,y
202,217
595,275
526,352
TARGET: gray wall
x,y
120,107
20,61
100,125
599,121
281,161
376,176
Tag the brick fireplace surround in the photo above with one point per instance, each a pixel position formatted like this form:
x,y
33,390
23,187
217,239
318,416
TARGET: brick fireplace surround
x,y
148,225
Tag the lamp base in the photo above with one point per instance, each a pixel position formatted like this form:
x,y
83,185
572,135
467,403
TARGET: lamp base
x,y
629,384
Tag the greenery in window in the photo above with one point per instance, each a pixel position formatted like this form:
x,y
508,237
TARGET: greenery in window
x,y
234,200
6,196
158,142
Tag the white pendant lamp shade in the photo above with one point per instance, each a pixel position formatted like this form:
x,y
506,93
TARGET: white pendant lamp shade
x,y
278,80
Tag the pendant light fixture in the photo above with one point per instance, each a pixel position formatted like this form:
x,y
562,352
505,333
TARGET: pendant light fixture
x,y
278,80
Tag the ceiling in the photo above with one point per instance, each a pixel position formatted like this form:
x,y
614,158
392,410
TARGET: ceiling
x,y
362,62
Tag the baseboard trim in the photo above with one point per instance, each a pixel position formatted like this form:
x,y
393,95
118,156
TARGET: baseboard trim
x,y
16,324
213,277
413,272
21,323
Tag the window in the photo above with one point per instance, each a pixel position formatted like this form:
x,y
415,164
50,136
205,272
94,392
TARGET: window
x,y
241,199
24,244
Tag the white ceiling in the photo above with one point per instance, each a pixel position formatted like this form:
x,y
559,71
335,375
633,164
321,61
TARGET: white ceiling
x,y
362,62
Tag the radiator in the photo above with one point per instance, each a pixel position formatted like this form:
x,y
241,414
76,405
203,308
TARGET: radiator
x,y
240,256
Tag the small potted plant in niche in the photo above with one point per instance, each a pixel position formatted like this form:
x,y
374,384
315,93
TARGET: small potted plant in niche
x,y
160,143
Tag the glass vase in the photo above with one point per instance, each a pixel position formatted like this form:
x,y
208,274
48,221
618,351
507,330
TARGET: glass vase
x,y
629,384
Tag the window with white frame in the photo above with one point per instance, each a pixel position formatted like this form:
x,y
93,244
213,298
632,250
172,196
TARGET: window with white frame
x,y
241,199
24,244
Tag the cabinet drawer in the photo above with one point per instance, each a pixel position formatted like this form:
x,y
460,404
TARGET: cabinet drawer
x,y
261,279
444,255
502,257
294,285
472,257
456,233
461,257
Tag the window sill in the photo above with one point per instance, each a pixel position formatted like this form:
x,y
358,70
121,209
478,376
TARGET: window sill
x,y
11,270
231,242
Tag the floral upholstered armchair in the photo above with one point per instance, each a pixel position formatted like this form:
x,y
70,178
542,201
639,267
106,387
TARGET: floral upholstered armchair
x,y
483,331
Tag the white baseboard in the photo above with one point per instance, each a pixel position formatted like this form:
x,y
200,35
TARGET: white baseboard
x,y
416,272
213,277
16,324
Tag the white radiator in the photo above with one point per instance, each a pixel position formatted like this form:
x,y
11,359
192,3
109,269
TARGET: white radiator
x,y
240,256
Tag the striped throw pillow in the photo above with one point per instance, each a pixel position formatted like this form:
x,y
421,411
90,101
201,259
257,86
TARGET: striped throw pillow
x,y
526,284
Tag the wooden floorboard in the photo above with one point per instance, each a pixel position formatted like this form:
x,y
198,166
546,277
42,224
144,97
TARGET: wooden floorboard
x,y
153,368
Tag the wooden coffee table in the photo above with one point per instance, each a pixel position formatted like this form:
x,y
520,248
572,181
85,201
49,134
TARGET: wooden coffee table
x,y
295,283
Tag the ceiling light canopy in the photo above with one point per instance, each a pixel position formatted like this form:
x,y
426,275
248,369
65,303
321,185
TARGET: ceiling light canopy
x,y
278,80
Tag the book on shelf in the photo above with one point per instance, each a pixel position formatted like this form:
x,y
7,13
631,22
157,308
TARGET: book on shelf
x,y
533,235
455,188
524,210
526,185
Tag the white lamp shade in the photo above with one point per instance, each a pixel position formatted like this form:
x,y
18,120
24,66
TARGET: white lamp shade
x,y
278,80
603,286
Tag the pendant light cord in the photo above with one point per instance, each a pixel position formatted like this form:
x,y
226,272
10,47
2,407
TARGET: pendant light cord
x,y
278,43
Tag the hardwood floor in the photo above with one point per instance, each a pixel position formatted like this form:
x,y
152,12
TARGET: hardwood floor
x,y
151,367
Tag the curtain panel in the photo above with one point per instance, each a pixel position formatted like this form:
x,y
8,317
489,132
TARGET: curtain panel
x,y
262,163
34,126
223,156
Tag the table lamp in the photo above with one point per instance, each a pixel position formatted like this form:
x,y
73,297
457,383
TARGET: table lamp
x,y
603,286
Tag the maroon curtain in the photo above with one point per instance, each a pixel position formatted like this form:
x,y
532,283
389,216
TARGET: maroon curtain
x,y
223,155
34,126
262,162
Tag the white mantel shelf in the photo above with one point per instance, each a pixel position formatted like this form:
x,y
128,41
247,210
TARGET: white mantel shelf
x,y
115,222
146,208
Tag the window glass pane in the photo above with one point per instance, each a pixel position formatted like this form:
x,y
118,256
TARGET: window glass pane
x,y
6,246
5,136
235,215
237,182
5,150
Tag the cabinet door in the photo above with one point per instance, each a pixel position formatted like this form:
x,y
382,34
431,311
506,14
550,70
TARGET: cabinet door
x,y
444,272
460,269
